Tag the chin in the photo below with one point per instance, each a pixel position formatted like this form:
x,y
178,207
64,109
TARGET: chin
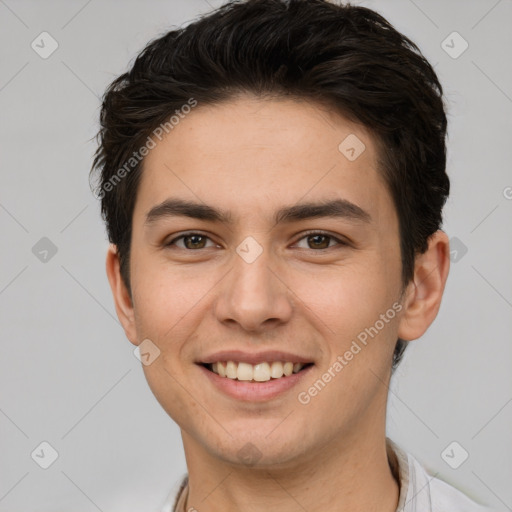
x,y
259,451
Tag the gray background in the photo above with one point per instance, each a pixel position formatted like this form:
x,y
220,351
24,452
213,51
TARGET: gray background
x,y
69,377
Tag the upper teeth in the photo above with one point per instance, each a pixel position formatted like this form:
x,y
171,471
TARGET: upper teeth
x,y
260,372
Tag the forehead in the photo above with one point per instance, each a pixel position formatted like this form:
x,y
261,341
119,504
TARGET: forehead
x,y
248,155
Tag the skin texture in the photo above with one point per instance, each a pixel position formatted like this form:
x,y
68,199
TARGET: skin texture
x,y
251,157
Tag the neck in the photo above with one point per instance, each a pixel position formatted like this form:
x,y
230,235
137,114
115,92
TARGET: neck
x,y
346,474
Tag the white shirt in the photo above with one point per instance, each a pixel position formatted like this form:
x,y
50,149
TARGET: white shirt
x,y
419,491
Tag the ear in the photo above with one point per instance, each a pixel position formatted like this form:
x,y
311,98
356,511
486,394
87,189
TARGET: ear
x,y
122,299
425,291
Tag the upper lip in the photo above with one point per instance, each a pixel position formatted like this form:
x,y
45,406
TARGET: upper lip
x,y
254,357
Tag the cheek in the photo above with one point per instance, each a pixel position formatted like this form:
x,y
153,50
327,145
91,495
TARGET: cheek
x,y
166,298
167,386
345,298
358,322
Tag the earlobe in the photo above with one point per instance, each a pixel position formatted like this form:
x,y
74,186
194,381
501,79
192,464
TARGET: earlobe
x,y
424,293
122,299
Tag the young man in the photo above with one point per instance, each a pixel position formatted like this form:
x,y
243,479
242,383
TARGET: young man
x,y
272,177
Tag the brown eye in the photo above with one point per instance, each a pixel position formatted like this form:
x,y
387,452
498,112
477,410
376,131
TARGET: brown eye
x,y
194,241
320,241
191,241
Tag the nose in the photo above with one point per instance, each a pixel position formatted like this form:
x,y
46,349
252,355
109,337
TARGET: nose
x,y
254,296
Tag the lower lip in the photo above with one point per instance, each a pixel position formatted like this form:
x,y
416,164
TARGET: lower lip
x,y
254,391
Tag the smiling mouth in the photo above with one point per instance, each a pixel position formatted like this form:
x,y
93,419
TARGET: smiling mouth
x,y
261,372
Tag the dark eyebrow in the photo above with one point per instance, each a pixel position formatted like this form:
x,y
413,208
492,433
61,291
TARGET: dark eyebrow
x,y
337,208
179,207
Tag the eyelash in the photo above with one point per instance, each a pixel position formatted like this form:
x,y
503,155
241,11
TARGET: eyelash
x,y
305,235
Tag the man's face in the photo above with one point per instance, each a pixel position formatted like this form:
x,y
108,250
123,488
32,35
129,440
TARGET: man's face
x,y
255,285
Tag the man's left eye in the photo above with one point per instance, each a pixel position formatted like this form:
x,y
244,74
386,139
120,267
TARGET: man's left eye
x,y
319,240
